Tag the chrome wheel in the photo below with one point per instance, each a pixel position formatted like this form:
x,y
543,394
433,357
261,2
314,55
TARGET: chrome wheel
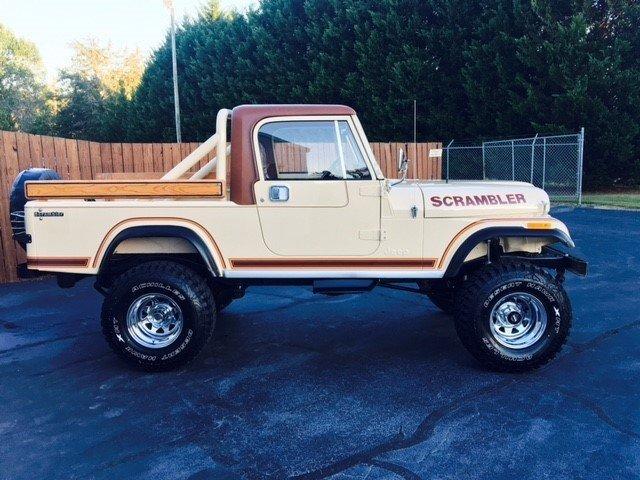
x,y
518,320
154,320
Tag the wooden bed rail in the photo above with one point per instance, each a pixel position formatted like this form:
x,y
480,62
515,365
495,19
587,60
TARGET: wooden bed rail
x,y
111,189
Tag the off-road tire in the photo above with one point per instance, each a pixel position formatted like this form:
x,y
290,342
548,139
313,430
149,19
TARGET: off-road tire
x,y
185,287
441,293
485,288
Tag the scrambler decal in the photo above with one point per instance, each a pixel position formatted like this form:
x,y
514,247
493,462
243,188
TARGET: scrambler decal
x,y
477,200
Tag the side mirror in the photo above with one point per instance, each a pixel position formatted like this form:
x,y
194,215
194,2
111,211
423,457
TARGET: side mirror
x,y
403,167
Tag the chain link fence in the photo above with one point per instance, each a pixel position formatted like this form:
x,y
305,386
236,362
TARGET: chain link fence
x,y
553,162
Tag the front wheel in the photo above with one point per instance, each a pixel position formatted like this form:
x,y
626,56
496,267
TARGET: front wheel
x,y
513,316
159,315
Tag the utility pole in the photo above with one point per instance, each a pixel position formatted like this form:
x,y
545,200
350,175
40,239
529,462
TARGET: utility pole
x,y
415,138
176,97
415,122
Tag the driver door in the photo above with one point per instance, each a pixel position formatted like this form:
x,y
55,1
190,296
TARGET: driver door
x,y
317,195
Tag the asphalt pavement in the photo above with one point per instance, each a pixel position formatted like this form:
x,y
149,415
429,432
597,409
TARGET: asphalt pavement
x,y
294,385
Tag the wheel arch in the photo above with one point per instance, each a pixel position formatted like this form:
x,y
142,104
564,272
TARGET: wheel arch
x,y
461,253
162,231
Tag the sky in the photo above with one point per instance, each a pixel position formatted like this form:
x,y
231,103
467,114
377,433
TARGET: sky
x,y
53,24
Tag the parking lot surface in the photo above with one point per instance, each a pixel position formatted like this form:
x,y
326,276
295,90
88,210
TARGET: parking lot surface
x,y
294,385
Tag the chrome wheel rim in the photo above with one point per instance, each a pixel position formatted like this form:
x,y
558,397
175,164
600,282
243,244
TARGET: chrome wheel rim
x,y
154,320
518,320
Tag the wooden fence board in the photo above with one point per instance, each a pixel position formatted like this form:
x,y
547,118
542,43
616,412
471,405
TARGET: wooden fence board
x,y
10,154
427,161
35,149
84,159
127,157
96,162
147,157
167,163
60,152
73,158
431,165
116,156
138,161
184,151
158,163
389,172
10,162
23,151
6,242
105,158
48,153
176,156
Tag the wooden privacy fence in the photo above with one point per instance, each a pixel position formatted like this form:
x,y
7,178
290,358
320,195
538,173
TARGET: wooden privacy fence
x,y
84,160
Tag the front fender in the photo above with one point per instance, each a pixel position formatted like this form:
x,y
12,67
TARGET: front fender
x,y
556,234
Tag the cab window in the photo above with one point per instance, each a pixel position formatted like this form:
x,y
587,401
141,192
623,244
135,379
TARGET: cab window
x,y
310,150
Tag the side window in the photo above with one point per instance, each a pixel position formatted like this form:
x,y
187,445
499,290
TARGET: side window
x,y
310,150
355,167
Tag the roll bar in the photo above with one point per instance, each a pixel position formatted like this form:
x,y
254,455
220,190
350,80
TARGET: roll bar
x,y
217,141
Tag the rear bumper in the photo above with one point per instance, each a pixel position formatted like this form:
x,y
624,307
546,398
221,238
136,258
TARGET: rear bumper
x,y
24,272
65,280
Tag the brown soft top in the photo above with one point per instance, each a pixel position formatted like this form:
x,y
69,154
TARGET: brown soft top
x,y
244,171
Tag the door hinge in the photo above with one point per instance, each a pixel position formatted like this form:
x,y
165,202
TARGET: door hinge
x,y
377,235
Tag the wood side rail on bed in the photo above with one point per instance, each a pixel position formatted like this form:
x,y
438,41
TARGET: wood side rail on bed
x,y
43,190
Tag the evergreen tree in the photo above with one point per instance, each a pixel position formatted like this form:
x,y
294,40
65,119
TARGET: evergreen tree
x,y
487,68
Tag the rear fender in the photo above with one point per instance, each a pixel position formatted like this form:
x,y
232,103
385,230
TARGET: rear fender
x,y
163,231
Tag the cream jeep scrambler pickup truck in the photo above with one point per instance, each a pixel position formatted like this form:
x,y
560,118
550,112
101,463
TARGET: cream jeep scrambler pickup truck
x,y
305,203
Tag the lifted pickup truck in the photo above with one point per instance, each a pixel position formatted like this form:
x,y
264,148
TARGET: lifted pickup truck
x,y
306,203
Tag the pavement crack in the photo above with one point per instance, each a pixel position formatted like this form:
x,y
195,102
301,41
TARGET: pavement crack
x,y
71,364
598,411
42,342
594,342
399,470
400,441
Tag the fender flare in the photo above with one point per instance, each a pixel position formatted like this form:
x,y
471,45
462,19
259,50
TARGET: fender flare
x,y
494,232
172,231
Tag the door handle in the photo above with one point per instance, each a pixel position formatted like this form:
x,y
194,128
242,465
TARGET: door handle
x,y
279,193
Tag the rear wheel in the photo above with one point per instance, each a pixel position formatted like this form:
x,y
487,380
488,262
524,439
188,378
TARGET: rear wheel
x,y
158,315
513,316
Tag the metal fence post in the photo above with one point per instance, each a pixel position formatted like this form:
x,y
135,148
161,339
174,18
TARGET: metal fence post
x,y
448,160
533,149
484,171
513,161
580,164
544,161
